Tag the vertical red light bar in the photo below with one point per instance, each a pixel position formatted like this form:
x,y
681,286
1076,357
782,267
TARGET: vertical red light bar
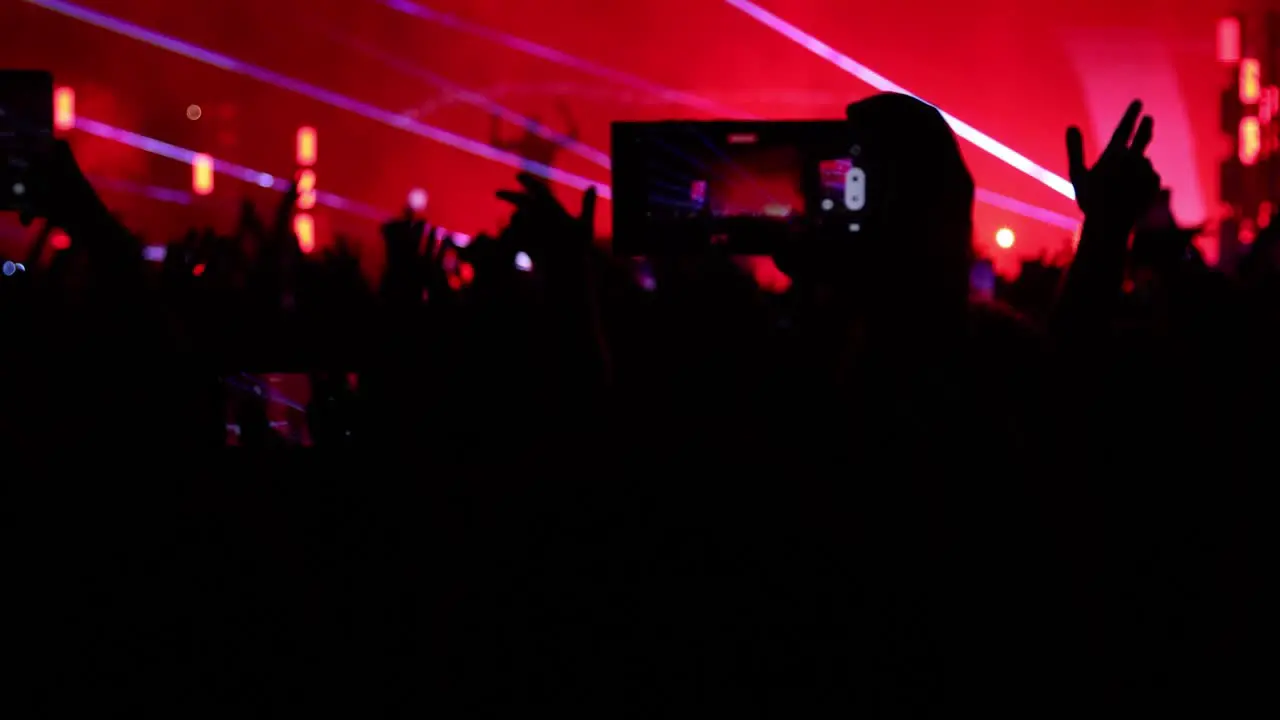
x,y
1229,40
1250,81
307,147
1269,105
64,108
1250,140
202,174
304,226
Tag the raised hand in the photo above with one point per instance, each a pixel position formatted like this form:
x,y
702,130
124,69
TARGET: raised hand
x,y
1122,184
546,226
1114,194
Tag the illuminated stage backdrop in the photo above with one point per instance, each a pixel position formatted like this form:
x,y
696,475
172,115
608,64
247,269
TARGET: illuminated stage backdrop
x,y
445,94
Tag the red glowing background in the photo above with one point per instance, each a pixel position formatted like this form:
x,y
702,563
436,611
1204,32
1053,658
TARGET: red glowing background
x,y
1019,71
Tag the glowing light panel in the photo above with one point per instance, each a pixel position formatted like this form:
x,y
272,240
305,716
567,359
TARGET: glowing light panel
x,y
64,108
202,174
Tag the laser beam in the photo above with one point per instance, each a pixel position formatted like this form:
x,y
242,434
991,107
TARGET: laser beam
x,y
160,194
471,97
876,80
240,172
319,94
872,78
559,57
386,117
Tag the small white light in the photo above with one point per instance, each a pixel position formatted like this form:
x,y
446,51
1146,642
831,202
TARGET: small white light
x,y
828,204
19,189
523,262
855,227
265,180
418,200
1005,238
461,240
21,267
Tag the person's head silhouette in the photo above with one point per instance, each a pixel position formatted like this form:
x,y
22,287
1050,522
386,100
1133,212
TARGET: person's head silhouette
x,y
923,196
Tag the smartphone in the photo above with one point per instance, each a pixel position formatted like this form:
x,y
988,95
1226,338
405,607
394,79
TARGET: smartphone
x,y
267,409
291,409
26,134
745,185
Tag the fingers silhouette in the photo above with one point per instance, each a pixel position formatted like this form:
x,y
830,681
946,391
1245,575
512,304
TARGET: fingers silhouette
x,y
1124,131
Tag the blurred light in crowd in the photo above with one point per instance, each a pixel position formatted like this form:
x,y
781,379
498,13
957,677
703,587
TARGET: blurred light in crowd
x,y
9,268
21,267
194,112
1005,238
307,147
982,279
1266,211
304,226
461,240
1229,40
523,262
64,108
155,253
418,200
467,272
883,84
202,174
198,270
1250,140
306,189
265,180
1250,81
59,240
19,189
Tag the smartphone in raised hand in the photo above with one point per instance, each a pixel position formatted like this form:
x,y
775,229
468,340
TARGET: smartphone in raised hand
x,y
26,135
749,186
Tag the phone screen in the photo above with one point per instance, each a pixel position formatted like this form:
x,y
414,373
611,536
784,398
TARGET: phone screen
x,y
292,409
746,185
26,134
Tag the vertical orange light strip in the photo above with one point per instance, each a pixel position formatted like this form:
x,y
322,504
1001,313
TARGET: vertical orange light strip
x,y
306,189
1250,140
1250,81
304,226
307,146
202,174
64,108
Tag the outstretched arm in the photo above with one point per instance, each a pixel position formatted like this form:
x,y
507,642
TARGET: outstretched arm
x,y
1113,194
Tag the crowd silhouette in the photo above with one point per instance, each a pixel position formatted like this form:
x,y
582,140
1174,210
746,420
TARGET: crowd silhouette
x,y
624,490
